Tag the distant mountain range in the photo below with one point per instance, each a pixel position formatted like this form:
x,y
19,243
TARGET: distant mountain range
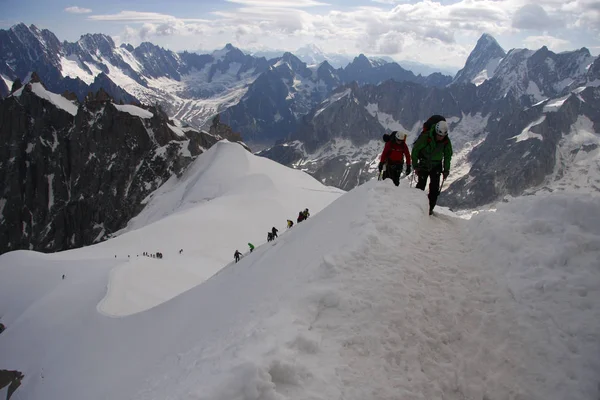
x,y
190,87
520,121
80,152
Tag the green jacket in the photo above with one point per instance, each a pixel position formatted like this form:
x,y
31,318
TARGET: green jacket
x,y
427,152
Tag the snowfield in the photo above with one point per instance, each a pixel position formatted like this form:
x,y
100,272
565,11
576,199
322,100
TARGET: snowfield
x,y
368,299
225,199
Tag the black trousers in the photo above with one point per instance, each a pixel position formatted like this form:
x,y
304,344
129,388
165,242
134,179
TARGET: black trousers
x,y
434,184
393,171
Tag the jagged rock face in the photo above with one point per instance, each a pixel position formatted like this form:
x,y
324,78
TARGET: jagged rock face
x,y
74,67
219,129
25,49
276,102
437,79
506,130
103,82
125,72
99,50
533,76
521,149
327,74
235,56
157,61
484,57
264,112
594,71
69,181
350,116
362,71
339,141
346,118
499,147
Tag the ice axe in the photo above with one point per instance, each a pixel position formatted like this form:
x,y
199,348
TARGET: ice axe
x,y
382,171
442,185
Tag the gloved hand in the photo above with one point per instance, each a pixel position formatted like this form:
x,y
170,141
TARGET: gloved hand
x,y
445,173
380,167
408,170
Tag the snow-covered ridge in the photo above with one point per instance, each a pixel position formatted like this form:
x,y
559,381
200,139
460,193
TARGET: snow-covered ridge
x,y
334,98
318,312
53,98
134,110
216,191
526,133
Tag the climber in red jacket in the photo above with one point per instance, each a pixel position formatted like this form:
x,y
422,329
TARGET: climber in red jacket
x,y
393,156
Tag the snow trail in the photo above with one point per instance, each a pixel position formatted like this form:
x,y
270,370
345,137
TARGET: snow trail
x,y
369,299
414,315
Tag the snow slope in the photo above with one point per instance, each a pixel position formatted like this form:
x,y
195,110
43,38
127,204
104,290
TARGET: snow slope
x,y
369,299
578,160
134,110
53,98
226,198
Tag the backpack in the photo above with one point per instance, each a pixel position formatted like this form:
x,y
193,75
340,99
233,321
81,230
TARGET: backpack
x,y
434,119
431,121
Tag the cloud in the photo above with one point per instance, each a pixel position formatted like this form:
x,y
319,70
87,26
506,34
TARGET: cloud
x,y
435,31
387,1
553,43
587,14
389,43
279,3
78,10
141,17
534,17
269,20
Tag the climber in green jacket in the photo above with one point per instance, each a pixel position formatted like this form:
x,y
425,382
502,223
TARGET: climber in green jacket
x,y
431,156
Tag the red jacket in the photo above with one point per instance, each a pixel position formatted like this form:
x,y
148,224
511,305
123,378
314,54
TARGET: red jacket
x,y
394,153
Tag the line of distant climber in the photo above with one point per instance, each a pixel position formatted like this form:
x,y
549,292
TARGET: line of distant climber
x,y
272,235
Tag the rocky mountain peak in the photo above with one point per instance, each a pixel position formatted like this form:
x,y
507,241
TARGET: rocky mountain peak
x,y
22,29
101,96
488,41
17,84
217,128
325,66
35,78
482,62
228,54
67,94
147,48
360,62
27,48
294,62
97,41
127,46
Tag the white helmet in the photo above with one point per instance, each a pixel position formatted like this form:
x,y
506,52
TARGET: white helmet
x,y
441,128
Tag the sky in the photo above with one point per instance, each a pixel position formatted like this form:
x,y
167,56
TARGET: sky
x,y
436,33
